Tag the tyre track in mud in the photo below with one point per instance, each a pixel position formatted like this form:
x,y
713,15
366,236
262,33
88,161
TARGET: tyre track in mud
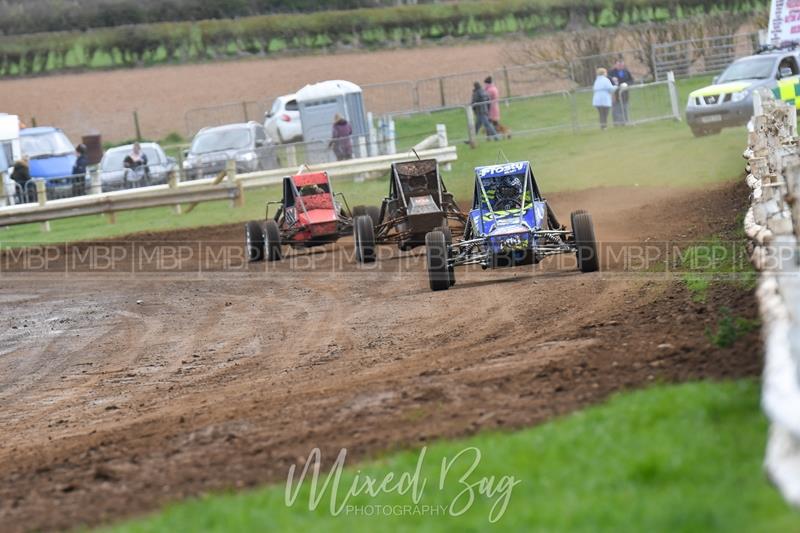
x,y
179,385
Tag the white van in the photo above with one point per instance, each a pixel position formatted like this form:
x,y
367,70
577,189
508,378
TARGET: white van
x,y
9,153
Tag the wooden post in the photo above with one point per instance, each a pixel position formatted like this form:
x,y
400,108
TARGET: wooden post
x,y
291,155
174,178
673,96
508,82
441,134
96,186
41,195
136,124
230,173
470,126
441,92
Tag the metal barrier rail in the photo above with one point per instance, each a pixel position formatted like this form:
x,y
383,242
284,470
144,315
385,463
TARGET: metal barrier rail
x,y
227,185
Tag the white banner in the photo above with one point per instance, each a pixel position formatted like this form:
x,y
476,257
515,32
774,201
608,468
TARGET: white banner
x,y
784,22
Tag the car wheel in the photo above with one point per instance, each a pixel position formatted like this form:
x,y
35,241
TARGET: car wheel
x,y
364,233
439,276
272,241
375,214
448,238
585,242
254,241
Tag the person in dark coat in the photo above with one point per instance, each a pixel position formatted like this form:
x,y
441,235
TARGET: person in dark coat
x,y
81,162
624,79
480,106
341,143
79,171
21,175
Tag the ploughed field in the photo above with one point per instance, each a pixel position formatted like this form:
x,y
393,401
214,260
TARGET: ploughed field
x,y
180,369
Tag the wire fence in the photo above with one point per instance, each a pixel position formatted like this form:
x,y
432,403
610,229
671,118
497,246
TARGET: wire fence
x,y
15,193
542,113
683,58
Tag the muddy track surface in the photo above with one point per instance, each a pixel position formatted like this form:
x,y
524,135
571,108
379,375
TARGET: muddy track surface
x,y
123,391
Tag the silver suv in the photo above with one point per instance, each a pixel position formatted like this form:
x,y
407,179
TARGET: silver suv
x,y
212,148
729,101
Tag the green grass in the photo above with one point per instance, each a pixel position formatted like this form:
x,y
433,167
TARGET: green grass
x,y
657,154
670,458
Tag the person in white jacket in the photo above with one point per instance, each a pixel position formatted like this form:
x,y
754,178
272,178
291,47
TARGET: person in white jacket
x,y
602,99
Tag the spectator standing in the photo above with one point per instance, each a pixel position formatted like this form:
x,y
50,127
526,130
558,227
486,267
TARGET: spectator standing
x,y
494,107
341,142
616,105
480,106
624,79
81,162
601,99
21,175
79,171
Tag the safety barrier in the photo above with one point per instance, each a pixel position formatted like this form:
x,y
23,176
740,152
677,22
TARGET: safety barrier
x,y
773,224
226,185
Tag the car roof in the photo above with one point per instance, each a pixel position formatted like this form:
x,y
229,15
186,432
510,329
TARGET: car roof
x,y
38,130
130,147
239,125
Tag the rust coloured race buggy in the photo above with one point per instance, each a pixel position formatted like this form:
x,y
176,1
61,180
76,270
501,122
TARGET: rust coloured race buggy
x,y
308,215
418,203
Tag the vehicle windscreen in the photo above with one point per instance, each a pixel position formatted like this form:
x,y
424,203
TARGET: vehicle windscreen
x,y
220,140
43,145
758,68
114,159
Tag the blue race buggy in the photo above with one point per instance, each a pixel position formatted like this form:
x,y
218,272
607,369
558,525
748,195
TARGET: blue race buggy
x,y
510,225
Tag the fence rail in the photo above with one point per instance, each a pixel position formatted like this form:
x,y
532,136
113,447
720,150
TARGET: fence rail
x,y
227,185
773,223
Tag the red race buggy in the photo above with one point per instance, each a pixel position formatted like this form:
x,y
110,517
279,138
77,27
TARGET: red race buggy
x,y
309,214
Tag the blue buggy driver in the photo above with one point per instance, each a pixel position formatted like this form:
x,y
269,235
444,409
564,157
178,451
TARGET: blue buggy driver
x,y
508,194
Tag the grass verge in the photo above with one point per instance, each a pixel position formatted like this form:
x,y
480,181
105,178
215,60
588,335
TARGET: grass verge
x,y
669,458
653,155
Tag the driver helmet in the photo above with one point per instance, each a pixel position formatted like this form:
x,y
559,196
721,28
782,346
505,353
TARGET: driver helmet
x,y
509,188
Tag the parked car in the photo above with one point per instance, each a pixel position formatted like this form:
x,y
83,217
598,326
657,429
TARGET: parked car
x,y
114,175
52,157
282,121
729,101
212,148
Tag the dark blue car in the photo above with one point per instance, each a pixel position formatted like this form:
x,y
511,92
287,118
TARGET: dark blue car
x,y
52,158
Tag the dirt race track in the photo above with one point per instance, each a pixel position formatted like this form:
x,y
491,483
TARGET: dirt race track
x,y
223,379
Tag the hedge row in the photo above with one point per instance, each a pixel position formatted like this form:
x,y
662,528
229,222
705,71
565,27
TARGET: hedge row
x,y
33,16
371,28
